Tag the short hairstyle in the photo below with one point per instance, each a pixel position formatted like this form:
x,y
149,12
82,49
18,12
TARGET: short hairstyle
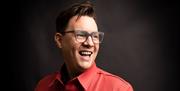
x,y
80,9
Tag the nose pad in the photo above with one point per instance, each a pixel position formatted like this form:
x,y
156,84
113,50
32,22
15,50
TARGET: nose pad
x,y
89,41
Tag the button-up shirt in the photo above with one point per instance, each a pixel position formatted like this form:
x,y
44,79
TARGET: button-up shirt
x,y
93,79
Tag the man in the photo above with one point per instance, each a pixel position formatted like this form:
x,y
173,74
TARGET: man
x,y
78,38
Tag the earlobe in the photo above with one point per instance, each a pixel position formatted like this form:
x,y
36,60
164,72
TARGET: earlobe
x,y
58,39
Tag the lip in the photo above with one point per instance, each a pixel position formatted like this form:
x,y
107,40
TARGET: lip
x,y
86,57
85,53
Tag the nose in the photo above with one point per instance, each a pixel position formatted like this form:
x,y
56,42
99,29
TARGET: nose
x,y
89,42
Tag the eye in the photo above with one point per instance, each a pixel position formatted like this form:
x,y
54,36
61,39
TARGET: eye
x,y
95,35
80,34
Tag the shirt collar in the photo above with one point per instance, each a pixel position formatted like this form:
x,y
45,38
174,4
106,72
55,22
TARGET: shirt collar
x,y
56,78
85,78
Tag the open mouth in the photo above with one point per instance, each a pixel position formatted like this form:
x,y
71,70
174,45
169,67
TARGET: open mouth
x,y
85,53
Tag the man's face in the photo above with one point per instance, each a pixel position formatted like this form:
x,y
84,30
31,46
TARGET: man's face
x,y
79,56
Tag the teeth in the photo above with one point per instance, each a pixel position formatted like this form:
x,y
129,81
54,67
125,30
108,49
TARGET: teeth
x,y
85,53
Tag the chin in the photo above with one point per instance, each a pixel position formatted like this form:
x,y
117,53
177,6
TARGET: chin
x,y
85,65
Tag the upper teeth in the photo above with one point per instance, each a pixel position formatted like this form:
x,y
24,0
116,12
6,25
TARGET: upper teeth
x,y
86,53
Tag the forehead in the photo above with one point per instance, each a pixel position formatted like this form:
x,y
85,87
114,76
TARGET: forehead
x,y
84,23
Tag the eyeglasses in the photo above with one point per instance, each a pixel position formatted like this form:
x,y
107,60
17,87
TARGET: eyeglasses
x,y
82,36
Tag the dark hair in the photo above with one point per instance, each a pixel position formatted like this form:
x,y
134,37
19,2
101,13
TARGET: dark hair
x,y
79,9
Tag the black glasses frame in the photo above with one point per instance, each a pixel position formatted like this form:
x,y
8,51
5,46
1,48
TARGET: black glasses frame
x,y
86,34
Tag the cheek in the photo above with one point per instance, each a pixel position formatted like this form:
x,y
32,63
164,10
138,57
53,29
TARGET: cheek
x,y
71,45
67,44
75,46
97,47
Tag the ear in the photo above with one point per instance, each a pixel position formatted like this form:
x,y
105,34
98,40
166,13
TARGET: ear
x,y
58,39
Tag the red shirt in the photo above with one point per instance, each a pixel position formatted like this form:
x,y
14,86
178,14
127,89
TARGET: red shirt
x,y
93,79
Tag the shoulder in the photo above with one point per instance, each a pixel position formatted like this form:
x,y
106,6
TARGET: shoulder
x,y
48,78
46,81
115,81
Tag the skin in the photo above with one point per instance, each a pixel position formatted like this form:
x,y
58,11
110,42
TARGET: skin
x,y
75,63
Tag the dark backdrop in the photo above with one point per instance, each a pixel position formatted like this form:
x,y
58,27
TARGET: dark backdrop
x,y
141,42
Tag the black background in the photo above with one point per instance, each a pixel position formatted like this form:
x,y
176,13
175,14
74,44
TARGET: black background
x,y
141,42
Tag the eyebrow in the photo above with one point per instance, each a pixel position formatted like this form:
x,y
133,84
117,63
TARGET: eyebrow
x,y
85,30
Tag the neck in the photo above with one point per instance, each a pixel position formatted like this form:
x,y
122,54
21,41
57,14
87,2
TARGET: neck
x,y
72,73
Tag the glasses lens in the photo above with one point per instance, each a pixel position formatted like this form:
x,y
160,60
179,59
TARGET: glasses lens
x,y
97,37
80,36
